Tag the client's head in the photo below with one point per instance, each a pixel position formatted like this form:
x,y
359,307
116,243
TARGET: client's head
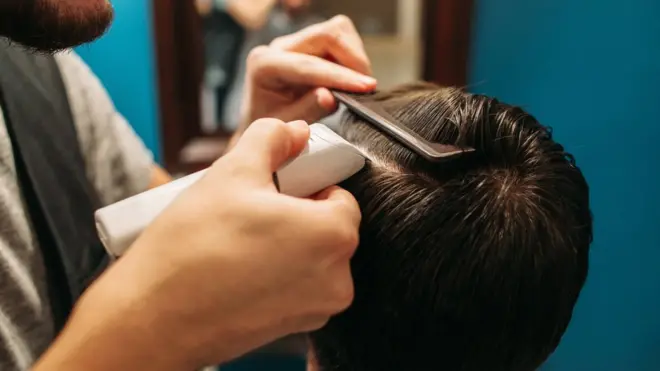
x,y
472,265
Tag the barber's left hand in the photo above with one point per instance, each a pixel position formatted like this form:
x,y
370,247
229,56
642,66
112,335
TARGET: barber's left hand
x,y
289,78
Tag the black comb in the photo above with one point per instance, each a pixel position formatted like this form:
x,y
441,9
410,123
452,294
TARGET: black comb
x,y
431,151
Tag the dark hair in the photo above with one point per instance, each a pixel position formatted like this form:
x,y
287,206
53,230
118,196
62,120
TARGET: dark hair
x,y
472,265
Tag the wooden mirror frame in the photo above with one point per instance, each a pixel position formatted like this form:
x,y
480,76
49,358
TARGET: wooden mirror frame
x,y
447,35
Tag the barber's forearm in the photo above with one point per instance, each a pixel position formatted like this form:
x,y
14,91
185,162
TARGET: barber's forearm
x,y
102,354
109,331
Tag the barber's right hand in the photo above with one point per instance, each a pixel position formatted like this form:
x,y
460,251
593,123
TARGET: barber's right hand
x,y
231,265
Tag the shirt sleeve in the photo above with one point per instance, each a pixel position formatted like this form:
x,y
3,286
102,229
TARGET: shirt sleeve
x,y
117,162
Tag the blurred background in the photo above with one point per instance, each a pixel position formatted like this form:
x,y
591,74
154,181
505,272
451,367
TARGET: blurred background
x,y
590,69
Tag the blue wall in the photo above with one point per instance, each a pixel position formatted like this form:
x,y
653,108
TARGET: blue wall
x,y
591,70
124,60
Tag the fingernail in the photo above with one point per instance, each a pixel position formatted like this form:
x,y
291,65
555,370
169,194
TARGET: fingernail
x,y
368,80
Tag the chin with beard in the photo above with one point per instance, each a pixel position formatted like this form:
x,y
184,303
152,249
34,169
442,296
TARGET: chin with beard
x,y
53,25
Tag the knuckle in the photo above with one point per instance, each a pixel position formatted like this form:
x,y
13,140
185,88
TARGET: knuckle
x,y
344,294
350,236
321,31
342,20
347,232
278,42
257,54
270,129
346,238
330,36
307,68
306,64
277,131
269,126
340,239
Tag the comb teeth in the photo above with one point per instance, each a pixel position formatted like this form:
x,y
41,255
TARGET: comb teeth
x,y
385,122
450,149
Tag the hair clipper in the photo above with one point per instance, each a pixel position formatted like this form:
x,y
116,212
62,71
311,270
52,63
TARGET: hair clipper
x,y
327,159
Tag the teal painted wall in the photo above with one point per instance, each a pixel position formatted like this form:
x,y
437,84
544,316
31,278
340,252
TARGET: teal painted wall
x,y
591,70
124,60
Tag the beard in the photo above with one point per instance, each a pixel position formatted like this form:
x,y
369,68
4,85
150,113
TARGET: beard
x,y
53,25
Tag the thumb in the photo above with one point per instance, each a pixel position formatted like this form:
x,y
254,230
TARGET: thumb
x,y
311,107
267,144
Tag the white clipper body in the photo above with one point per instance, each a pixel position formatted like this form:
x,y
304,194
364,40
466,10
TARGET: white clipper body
x,y
328,159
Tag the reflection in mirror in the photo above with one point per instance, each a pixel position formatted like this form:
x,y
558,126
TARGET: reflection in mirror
x,y
390,28
229,35
202,46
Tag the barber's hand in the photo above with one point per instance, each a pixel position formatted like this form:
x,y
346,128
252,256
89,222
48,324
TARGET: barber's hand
x,y
288,78
231,265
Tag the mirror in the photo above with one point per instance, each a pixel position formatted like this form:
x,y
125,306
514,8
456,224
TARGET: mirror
x,y
201,52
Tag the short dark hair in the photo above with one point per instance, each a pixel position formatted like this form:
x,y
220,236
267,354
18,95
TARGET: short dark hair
x,y
471,265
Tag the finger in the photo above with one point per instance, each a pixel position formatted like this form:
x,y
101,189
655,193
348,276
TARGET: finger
x,y
326,100
342,203
301,133
266,145
306,70
336,38
313,106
